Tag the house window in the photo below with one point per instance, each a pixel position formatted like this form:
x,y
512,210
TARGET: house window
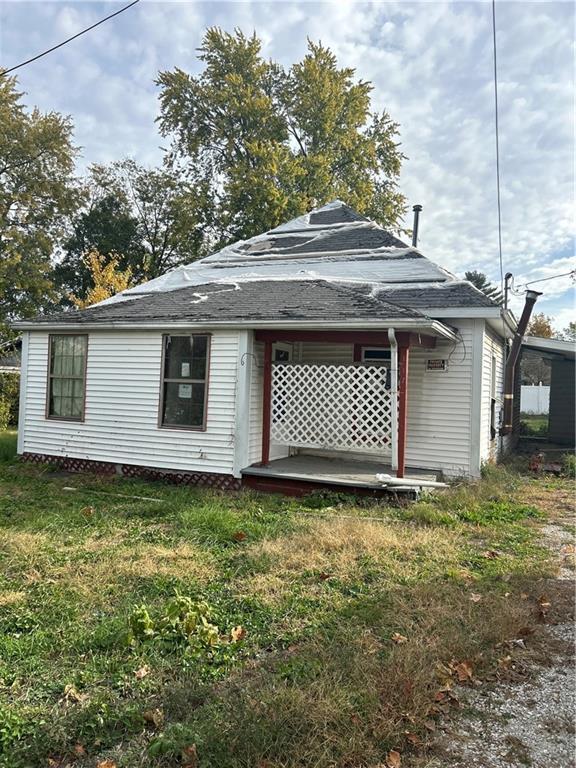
x,y
379,356
376,356
184,381
66,377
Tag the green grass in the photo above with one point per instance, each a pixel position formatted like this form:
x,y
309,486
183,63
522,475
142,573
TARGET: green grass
x,y
8,445
534,425
315,678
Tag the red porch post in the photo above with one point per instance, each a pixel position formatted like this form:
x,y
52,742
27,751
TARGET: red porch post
x,y
266,401
403,356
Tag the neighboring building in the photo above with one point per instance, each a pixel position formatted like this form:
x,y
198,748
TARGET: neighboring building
x,y
322,351
561,413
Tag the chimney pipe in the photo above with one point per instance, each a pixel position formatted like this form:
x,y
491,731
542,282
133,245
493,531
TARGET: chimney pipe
x,y
512,359
416,209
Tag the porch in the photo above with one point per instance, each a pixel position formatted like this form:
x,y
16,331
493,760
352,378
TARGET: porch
x,y
334,405
305,472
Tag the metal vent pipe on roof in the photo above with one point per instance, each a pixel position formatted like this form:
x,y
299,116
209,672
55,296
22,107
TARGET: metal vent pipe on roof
x,y
416,209
512,359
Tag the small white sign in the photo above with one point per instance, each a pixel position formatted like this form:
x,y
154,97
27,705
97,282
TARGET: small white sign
x,y
185,391
436,365
185,370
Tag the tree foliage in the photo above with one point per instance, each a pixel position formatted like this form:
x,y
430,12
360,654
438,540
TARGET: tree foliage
x,y
540,325
106,277
144,218
480,281
262,144
568,333
37,193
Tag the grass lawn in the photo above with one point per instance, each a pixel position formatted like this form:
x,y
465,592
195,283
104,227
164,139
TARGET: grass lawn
x,y
340,625
533,424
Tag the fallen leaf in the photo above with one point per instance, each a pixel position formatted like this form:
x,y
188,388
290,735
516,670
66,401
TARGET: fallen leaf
x,y
430,725
72,695
463,671
142,672
324,576
568,549
239,536
106,764
543,606
393,759
238,633
475,597
523,596
491,554
87,511
79,750
356,720
412,738
398,638
154,717
189,756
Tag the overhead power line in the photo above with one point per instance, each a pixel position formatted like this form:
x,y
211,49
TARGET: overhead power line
x,y
572,274
65,42
497,134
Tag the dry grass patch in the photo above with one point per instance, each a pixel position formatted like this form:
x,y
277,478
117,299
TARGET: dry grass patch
x,y
340,548
96,570
11,597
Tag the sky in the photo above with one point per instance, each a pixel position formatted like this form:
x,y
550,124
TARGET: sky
x,y
431,67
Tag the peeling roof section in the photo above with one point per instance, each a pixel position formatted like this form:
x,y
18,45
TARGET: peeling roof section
x,y
330,264
258,300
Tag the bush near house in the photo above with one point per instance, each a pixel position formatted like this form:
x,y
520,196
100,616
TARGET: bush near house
x,y
9,399
147,625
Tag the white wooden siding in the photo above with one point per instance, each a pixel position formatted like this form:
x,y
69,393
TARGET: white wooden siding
x,y
492,346
327,354
256,381
122,398
440,406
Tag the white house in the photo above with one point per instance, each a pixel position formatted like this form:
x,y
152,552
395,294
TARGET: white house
x,y
321,352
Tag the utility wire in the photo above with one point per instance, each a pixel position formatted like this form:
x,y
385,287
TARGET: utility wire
x,y
497,132
78,34
572,274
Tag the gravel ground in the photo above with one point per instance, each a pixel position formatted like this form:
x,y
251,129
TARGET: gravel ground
x,y
530,723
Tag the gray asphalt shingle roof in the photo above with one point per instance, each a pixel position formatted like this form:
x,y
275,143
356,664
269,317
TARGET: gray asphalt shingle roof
x,y
268,300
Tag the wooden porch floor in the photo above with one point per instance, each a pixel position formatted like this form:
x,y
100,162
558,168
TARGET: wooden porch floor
x,y
327,471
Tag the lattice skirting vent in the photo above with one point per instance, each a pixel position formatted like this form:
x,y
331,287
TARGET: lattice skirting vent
x,y
343,407
176,477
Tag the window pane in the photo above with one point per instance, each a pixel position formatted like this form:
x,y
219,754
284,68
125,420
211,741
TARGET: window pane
x,y
183,405
67,366
185,357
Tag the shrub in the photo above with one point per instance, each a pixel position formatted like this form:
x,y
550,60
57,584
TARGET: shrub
x,y
4,414
184,624
569,464
9,399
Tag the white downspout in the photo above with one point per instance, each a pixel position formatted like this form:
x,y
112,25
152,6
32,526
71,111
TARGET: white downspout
x,y
394,394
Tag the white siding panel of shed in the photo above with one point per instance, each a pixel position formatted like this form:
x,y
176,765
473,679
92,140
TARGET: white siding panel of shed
x,y
492,347
122,400
439,406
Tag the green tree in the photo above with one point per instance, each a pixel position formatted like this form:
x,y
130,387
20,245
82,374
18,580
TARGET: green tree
x,y
540,325
262,144
143,218
569,333
480,281
37,193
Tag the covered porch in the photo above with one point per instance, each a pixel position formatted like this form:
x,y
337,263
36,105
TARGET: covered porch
x,y
335,406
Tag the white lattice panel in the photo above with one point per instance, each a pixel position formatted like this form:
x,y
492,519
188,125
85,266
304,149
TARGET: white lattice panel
x,y
342,407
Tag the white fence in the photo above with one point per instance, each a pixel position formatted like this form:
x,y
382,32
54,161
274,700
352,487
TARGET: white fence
x,y
534,399
340,407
